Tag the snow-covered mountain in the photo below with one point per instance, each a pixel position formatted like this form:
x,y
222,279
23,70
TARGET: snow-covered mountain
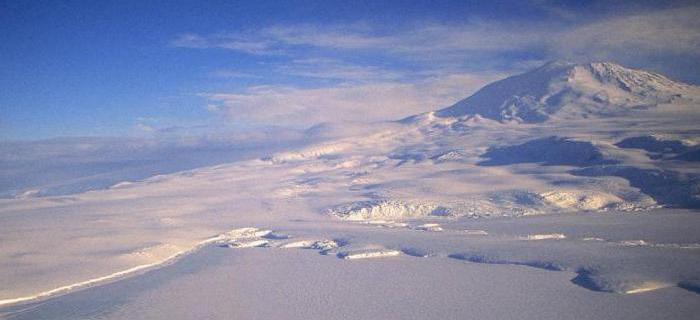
x,y
550,143
569,91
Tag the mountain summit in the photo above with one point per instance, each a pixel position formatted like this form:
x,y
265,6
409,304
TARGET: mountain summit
x,y
567,90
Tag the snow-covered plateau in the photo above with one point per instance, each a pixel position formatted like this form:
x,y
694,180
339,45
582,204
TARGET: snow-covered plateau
x,y
567,192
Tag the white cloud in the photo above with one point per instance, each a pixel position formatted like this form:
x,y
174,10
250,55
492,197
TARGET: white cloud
x,y
289,106
675,30
244,42
326,68
339,36
672,31
190,40
433,39
229,73
144,127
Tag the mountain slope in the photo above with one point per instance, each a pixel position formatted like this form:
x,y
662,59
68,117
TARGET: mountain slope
x,y
566,90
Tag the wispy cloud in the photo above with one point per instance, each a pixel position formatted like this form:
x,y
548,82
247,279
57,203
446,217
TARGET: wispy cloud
x,y
291,106
675,30
671,31
190,40
349,36
327,68
243,42
231,73
434,39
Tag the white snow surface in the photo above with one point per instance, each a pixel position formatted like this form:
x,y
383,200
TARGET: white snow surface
x,y
573,91
538,154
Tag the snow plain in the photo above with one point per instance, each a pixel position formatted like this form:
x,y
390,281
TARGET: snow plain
x,y
552,203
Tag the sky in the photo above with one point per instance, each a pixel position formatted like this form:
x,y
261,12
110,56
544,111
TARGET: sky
x,y
145,68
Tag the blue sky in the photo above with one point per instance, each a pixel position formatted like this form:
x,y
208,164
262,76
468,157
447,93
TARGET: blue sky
x,y
121,68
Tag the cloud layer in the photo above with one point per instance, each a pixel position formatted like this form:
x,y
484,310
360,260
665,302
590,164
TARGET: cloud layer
x,y
379,101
